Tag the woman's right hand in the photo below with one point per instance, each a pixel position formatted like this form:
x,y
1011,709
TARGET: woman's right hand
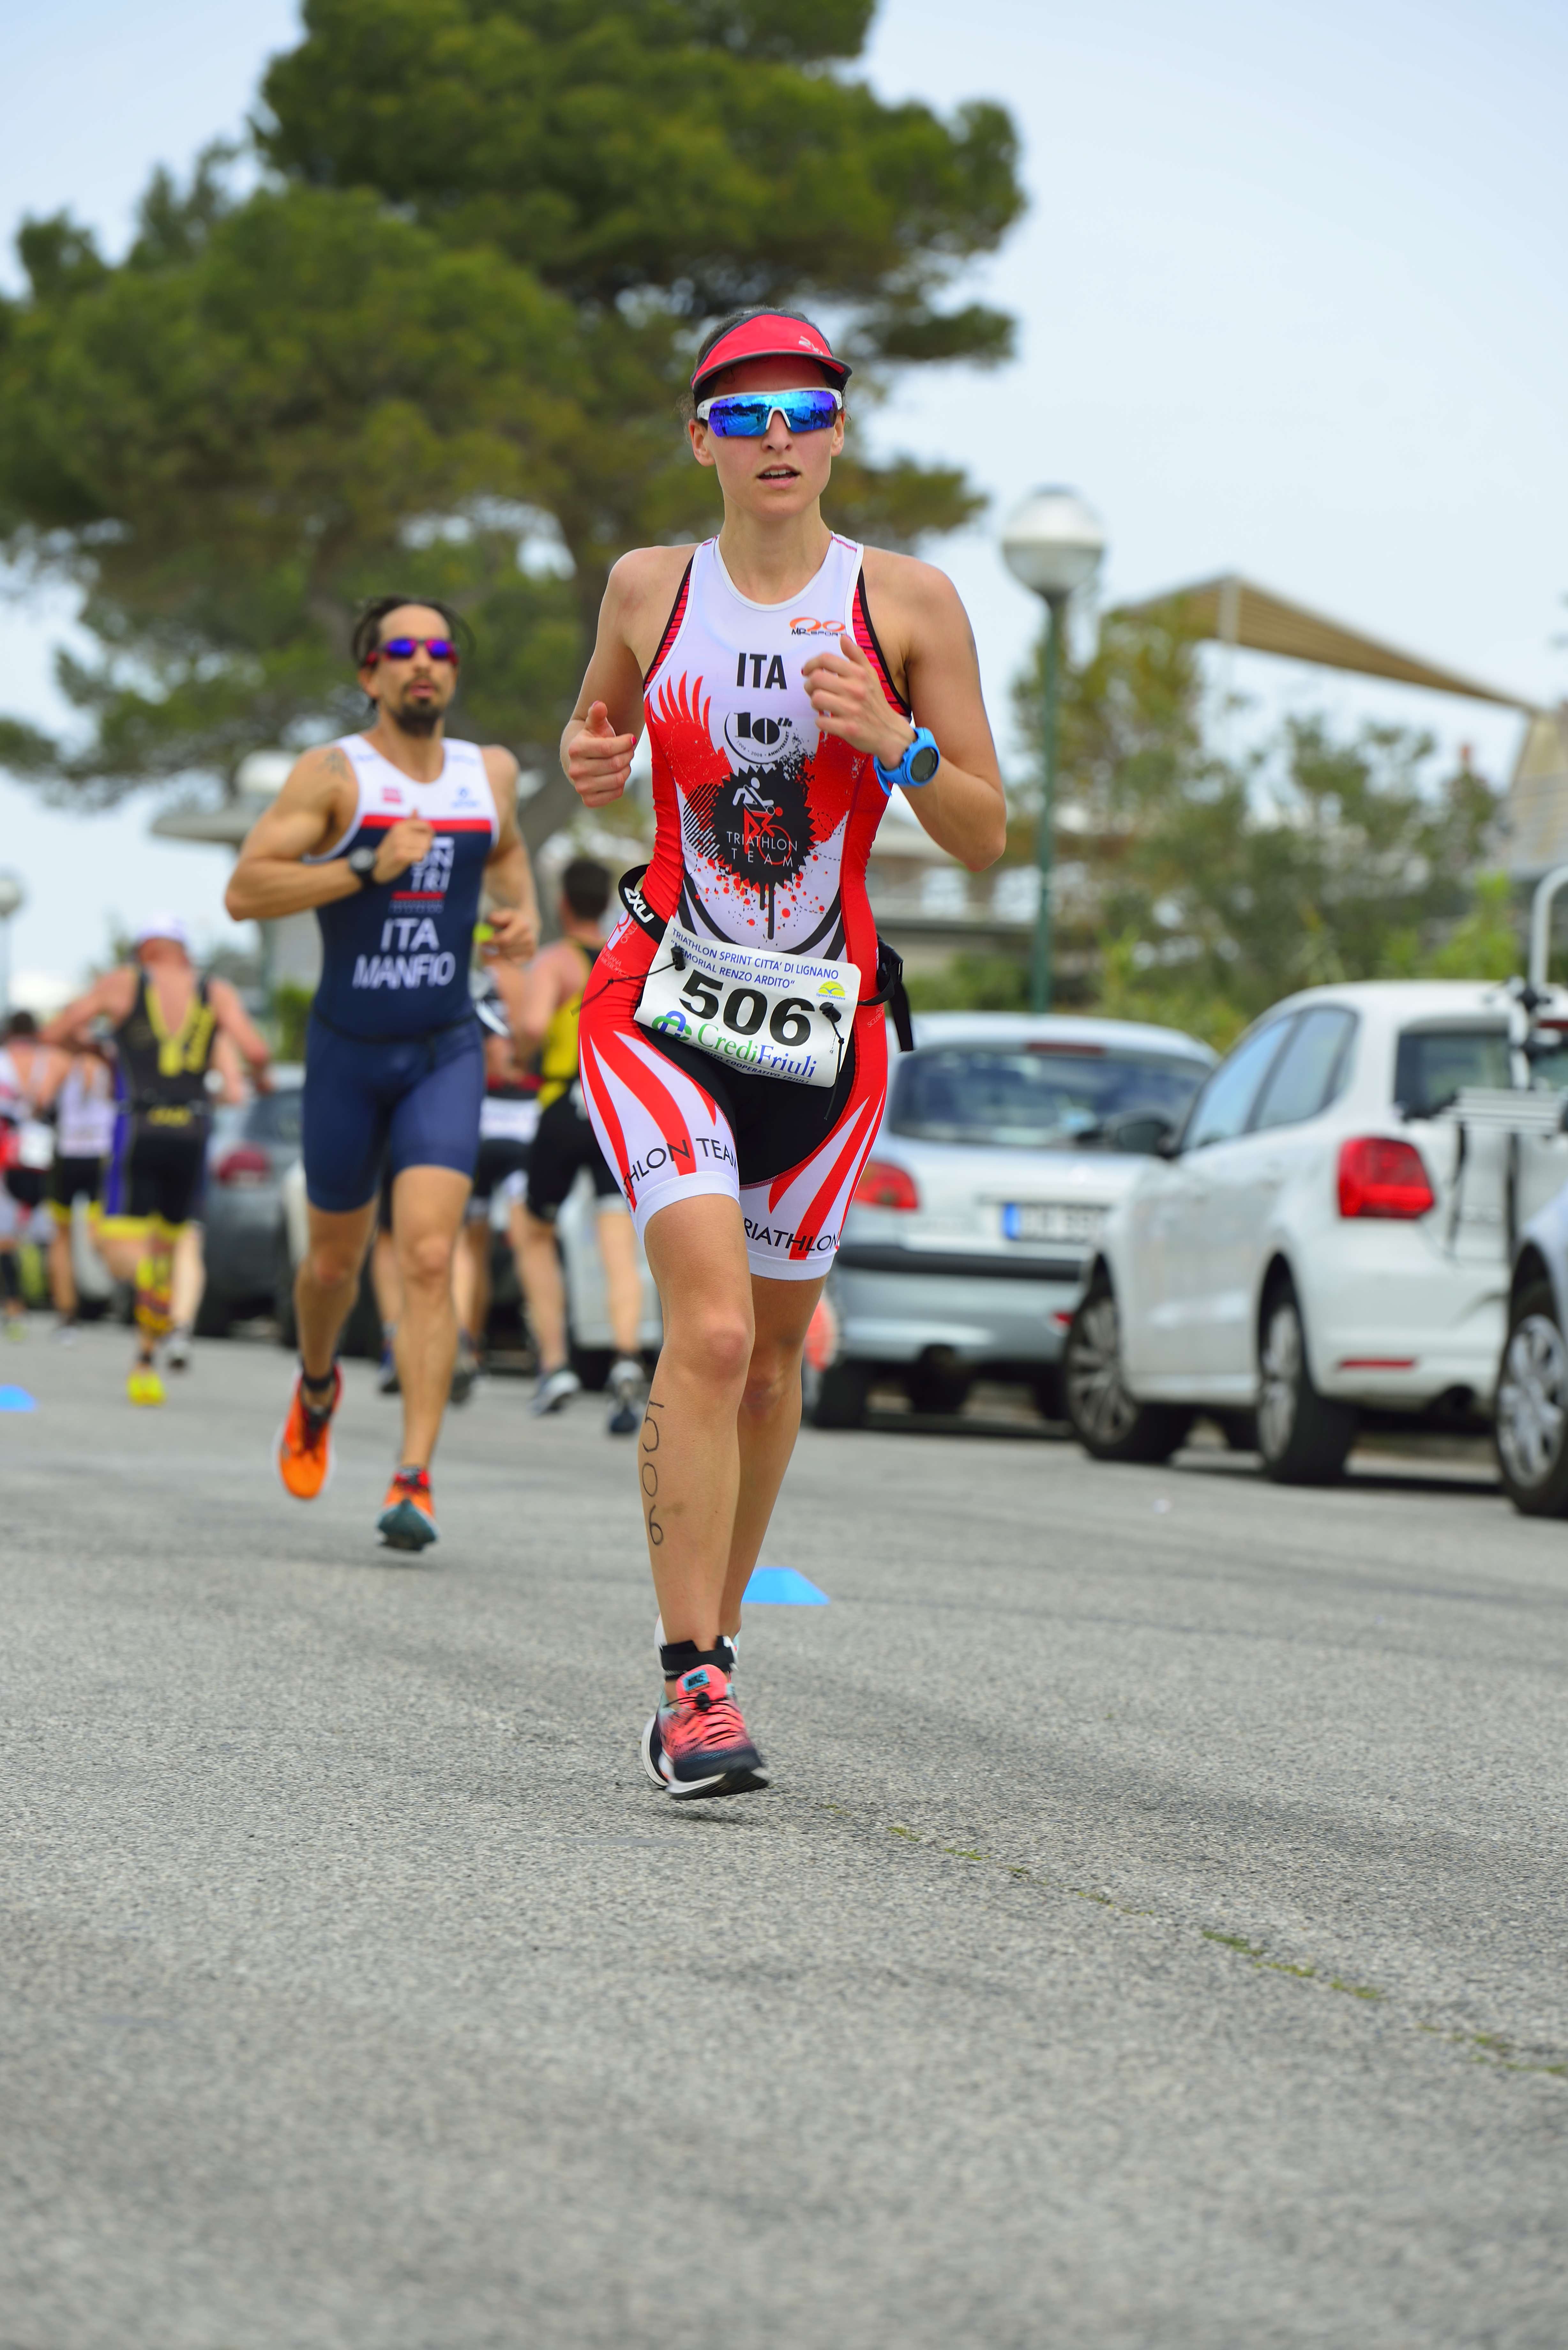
x,y
599,760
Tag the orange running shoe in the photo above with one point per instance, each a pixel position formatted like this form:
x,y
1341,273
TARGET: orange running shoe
x,y
304,1442
696,1744
408,1514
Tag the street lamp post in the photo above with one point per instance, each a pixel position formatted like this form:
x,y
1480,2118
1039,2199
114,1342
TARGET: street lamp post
x,y
12,898
1053,543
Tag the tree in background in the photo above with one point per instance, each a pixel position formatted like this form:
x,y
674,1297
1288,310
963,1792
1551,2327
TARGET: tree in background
x,y
224,442
442,346
1213,888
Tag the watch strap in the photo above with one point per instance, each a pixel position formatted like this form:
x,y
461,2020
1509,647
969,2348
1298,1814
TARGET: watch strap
x,y
922,739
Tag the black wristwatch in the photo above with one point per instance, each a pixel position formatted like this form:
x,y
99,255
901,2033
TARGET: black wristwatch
x,y
362,860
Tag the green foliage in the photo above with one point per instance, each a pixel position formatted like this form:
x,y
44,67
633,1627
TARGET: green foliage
x,y
1168,998
441,352
1484,943
667,147
289,1013
1217,887
227,449
1130,725
972,982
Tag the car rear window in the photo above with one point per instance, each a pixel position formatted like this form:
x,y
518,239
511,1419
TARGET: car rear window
x,y
275,1117
1036,1097
1433,1063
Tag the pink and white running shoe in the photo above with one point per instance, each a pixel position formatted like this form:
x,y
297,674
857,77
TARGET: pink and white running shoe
x,y
698,1744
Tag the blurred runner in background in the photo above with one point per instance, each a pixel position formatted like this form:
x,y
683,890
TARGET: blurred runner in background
x,y
84,1136
190,1274
165,1022
508,1116
29,1073
733,1055
390,835
545,1022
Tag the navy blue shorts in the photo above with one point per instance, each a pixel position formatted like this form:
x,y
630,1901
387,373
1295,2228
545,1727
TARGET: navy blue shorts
x,y
388,1102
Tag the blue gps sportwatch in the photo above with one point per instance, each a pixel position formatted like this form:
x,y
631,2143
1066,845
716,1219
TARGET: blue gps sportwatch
x,y
918,765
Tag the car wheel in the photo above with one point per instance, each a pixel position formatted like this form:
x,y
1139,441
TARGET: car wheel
x,y
1531,1426
1303,1437
841,1399
936,1385
1108,1421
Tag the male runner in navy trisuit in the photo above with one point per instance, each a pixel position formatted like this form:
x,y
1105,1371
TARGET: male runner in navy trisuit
x,y
392,836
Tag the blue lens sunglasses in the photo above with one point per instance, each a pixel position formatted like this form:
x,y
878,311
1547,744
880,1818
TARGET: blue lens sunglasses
x,y
439,648
746,415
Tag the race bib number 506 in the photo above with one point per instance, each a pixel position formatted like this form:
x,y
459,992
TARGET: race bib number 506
x,y
776,1015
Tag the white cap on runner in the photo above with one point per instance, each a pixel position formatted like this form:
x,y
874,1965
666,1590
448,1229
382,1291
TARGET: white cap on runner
x,y
163,926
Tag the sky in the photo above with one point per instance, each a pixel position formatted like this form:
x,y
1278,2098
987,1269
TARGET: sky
x,y
1291,302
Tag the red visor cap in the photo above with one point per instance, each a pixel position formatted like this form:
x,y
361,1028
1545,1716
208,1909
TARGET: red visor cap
x,y
769,337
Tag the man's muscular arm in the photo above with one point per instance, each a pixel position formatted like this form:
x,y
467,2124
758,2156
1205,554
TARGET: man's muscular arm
x,y
509,875
313,810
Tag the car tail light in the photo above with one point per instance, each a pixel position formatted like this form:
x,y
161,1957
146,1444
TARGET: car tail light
x,y
246,1165
883,1185
822,1336
1380,1176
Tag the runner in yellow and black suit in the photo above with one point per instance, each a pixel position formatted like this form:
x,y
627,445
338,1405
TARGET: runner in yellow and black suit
x,y
165,1022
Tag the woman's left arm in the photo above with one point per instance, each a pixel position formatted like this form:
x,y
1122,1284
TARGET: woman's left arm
x,y
920,618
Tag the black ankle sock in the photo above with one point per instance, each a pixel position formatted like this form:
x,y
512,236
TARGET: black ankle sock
x,y
678,1656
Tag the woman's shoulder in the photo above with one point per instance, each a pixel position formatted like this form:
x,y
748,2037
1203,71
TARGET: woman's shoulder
x,y
907,581
649,574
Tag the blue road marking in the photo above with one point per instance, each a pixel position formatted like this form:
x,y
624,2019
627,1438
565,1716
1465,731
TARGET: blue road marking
x,y
781,1586
17,1399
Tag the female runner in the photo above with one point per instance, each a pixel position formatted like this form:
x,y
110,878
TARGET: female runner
x,y
733,1058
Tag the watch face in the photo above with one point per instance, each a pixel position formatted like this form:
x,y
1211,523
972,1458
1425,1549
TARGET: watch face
x,y
924,763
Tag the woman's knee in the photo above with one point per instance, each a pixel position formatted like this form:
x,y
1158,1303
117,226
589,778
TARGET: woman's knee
x,y
712,1343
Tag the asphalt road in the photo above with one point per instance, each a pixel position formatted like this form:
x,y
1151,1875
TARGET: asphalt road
x,y
1153,1934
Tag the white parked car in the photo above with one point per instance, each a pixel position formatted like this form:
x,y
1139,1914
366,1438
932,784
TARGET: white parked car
x,y
1327,1236
1005,1139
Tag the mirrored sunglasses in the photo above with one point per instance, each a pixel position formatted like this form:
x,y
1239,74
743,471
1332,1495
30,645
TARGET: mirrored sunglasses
x,y
441,649
746,415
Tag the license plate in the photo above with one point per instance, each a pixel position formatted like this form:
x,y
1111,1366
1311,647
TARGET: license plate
x,y
1050,1220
